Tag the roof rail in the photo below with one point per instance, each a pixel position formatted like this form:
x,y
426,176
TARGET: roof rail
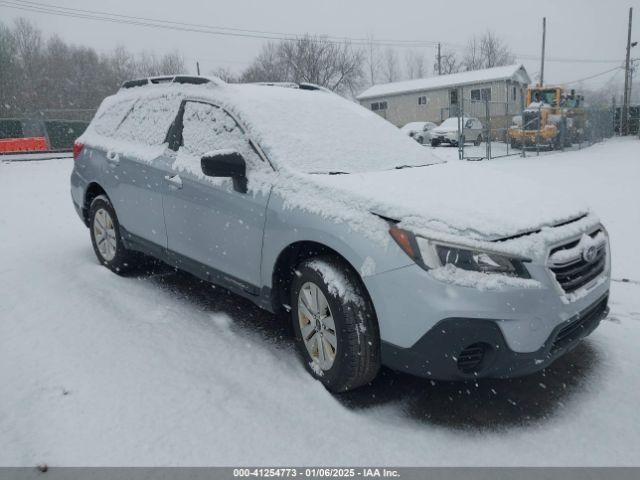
x,y
183,79
300,86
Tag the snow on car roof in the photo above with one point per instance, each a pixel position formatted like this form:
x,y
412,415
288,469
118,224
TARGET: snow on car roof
x,y
299,129
476,76
413,126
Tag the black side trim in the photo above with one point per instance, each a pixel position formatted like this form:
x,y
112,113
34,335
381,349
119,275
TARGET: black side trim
x,y
261,297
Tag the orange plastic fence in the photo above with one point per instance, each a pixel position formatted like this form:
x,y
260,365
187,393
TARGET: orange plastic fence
x,y
30,144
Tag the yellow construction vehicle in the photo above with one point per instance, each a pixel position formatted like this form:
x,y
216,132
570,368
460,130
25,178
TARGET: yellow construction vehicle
x,y
552,119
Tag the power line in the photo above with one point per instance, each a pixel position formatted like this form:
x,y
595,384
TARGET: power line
x,y
197,28
593,76
51,9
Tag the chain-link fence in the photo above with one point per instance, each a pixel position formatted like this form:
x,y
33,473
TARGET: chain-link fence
x,y
633,120
45,130
489,129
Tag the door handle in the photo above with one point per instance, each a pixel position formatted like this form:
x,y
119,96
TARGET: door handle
x,y
174,181
113,158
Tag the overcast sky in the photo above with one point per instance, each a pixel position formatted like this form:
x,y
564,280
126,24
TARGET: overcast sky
x,y
592,29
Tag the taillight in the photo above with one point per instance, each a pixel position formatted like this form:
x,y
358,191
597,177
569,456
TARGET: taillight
x,y
77,148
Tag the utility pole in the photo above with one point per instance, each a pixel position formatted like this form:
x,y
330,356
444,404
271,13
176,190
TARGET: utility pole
x,y
544,37
625,103
198,68
439,61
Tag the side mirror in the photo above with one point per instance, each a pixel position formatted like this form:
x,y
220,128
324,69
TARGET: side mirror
x,y
226,163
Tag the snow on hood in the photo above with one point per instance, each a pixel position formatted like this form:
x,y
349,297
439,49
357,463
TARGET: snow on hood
x,y
450,125
465,200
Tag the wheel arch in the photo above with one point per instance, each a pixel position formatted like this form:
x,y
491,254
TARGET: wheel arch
x,y
93,190
291,256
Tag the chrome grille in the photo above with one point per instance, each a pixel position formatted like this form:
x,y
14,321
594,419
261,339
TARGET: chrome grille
x,y
578,272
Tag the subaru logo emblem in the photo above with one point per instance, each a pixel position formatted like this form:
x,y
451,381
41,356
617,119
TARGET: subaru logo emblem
x,y
589,254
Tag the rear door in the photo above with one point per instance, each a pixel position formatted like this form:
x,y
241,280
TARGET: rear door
x,y
211,227
139,161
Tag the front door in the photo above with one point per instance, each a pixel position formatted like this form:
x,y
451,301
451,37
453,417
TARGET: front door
x,y
210,225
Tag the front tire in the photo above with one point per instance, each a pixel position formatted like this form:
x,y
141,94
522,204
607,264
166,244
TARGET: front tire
x,y
478,141
335,324
105,237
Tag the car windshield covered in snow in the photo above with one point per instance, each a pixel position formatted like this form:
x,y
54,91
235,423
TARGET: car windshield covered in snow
x,y
319,132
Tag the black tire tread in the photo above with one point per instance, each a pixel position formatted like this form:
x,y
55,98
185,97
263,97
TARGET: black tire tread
x,y
361,350
125,261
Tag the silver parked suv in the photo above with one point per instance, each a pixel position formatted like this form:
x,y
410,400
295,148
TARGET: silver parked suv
x,y
314,207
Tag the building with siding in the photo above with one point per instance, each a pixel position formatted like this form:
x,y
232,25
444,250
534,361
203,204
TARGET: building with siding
x,y
501,89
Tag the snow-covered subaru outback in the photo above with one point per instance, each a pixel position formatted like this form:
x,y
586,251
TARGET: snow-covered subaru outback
x,y
312,206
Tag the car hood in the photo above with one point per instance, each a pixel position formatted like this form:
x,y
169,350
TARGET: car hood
x,y
443,130
470,200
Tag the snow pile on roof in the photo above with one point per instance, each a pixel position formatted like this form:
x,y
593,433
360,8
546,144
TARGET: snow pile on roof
x,y
516,72
303,130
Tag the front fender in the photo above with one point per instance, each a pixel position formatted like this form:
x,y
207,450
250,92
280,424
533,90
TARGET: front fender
x,y
367,246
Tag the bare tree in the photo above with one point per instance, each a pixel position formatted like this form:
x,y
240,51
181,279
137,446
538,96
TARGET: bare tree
x,y
373,62
448,63
149,64
415,64
38,74
267,66
487,51
28,49
225,74
390,66
336,66
8,72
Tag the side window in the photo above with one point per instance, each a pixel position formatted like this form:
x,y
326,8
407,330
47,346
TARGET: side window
x,y
206,128
109,117
468,124
149,120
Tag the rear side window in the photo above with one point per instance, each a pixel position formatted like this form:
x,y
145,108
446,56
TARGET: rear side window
x,y
148,120
108,119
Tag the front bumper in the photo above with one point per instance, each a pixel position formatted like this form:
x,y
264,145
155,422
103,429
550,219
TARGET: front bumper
x,y
425,324
464,348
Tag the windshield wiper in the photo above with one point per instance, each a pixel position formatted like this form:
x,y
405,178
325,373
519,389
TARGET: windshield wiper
x,y
329,173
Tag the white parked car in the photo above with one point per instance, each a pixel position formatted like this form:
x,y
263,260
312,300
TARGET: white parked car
x,y
419,131
448,131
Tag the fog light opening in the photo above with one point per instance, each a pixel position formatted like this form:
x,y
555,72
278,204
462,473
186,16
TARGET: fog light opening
x,y
472,358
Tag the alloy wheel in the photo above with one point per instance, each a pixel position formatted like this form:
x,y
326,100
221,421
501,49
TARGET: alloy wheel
x,y
104,232
317,325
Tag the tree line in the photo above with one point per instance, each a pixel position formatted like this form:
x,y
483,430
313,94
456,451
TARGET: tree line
x,y
48,74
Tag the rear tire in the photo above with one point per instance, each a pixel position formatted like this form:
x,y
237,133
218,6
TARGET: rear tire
x,y
435,143
342,314
105,238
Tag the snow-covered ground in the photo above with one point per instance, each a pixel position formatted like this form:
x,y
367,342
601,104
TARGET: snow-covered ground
x,y
97,369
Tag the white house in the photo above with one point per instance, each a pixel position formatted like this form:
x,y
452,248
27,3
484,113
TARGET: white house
x,y
436,98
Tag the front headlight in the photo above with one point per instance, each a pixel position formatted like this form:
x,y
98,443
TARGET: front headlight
x,y
429,254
